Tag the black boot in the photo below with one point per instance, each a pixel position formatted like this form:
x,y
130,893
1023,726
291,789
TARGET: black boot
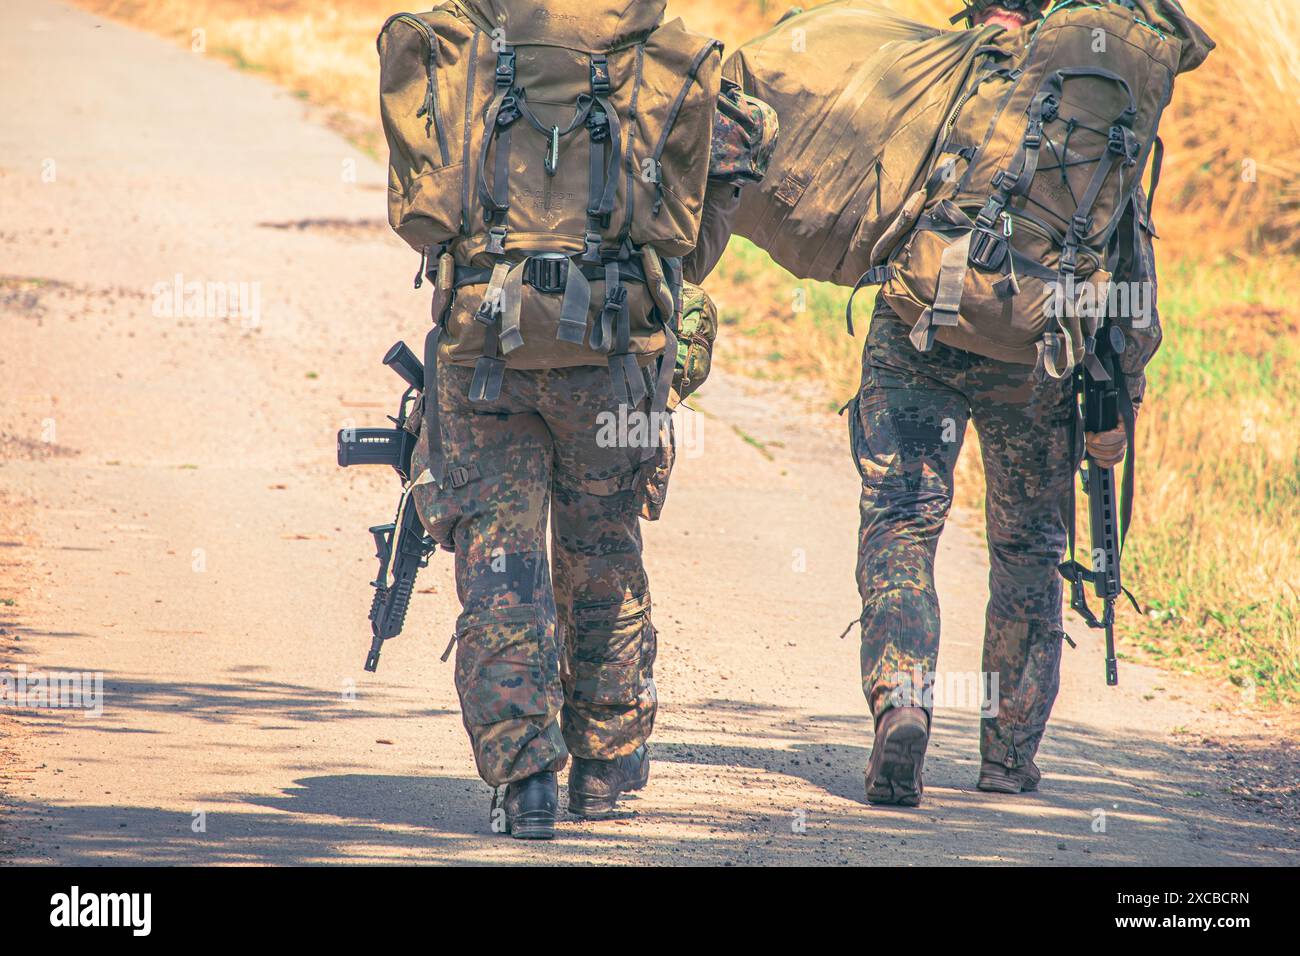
x,y
898,757
530,806
595,785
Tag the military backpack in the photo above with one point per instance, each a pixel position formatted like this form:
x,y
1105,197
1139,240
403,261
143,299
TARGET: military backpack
x,y
1008,248
548,162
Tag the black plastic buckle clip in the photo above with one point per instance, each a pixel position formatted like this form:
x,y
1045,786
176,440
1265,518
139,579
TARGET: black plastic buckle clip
x,y
505,75
877,275
547,275
509,111
1123,143
993,208
1034,135
1069,259
615,302
987,249
600,75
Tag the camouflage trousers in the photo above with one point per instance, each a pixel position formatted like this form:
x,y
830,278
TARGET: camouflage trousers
x,y
549,660
906,430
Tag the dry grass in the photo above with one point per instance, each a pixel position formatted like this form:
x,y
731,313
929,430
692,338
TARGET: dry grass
x,y
1232,176
1215,549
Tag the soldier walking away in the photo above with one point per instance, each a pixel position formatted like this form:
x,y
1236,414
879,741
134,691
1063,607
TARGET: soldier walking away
x,y
551,206
907,423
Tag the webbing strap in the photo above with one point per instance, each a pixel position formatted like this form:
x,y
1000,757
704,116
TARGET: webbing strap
x,y
501,114
489,370
1157,160
952,280
876,275
625,378
1055,352
923,332
512,295
595,186
574,307
485,386
663,385
491,303
602,333
629,161
614,144
1128,414
432,419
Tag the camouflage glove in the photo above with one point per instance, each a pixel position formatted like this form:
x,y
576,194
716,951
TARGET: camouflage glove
x,y
744,136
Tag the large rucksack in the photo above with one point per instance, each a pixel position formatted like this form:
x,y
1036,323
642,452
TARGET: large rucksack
x,y
548,161
861,94
1008,248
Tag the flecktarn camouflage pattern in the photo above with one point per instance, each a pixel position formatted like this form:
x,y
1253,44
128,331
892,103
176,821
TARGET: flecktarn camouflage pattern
x,y
744,136
906,431
549,661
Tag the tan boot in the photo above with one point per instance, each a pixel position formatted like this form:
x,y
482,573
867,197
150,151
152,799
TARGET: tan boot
x,y
995,778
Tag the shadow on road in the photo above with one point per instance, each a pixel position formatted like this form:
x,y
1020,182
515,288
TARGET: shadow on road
x,y
1106,799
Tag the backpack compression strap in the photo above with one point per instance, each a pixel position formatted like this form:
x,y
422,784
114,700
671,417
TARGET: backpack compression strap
x,y
501,115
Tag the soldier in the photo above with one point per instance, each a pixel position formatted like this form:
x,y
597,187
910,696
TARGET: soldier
x,y
906,431
558,661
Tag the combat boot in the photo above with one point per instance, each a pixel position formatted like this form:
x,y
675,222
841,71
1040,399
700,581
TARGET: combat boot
x,y
530,806
995,778
898,756
596,785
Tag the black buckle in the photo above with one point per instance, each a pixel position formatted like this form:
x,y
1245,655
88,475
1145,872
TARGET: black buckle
x,y
1122,142
598,126
992,209
486,313
599,75
509,111
1051,108
1033,136
1069,259
458,476
505,76
877,275
1081,225
987,249
615,300
547,275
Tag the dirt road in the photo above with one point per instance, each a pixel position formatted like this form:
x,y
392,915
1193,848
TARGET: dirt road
x,y
172,517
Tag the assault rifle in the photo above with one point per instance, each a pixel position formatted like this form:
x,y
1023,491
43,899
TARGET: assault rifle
x,y
402,547
1099,385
